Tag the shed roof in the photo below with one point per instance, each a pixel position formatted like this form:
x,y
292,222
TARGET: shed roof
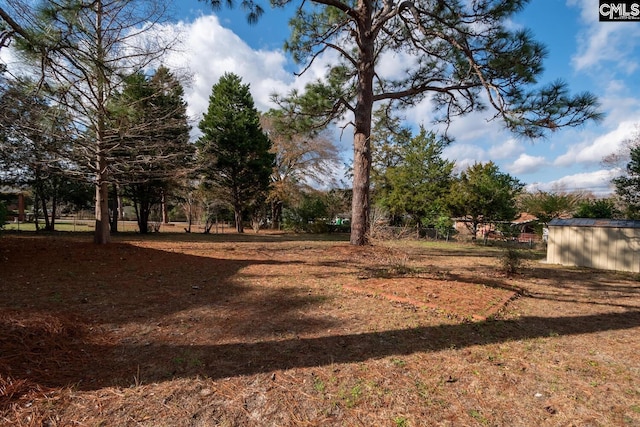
x,y
590,222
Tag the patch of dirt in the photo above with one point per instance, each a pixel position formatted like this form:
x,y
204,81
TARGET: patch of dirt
x,y
465,300
278,330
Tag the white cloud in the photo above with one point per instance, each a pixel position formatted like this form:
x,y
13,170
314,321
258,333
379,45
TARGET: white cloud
x,y
208,50
8,57
594,151
464,155
393,65
473,128
507,149
597,182
620,104
526,164
599,43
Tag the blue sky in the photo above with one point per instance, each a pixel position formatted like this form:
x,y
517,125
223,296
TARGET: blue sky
x,y
598,57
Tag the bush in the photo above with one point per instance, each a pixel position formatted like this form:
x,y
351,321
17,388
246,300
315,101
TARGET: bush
x,y
511,261
318,227
309,215
444,226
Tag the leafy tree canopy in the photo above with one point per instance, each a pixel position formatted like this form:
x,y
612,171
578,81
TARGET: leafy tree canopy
x,y
597,208
417,182
302,159
485,195
549,205
628,185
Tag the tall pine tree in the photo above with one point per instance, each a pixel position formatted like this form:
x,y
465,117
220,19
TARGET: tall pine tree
x,y
83,49
461,55
233,151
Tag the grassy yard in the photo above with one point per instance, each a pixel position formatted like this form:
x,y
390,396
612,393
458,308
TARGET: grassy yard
x,y
72,225
176,329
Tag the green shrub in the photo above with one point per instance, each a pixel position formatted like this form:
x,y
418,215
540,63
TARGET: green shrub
x,y
511,261
318,227
308,215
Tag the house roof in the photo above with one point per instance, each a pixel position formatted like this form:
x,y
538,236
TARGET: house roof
x,y
590,222
524,218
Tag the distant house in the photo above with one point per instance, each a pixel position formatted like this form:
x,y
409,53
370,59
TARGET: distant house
x,y
605,244
523,228
525,224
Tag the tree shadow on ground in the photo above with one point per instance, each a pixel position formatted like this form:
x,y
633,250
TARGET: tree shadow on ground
x,y
62,328
95,366
213,360
554,283
70,307
265,236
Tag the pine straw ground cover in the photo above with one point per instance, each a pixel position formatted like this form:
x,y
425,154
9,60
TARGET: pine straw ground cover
x,y
279,330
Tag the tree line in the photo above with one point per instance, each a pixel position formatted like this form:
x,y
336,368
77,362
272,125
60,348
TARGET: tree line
x,y
256,167
463,56
241,163
413,185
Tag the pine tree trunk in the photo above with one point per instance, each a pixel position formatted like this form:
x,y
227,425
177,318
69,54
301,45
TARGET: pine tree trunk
x,y
21,215
276,214
120,208
36,210
238,217
143,208
360,207
45,213
54,209
164,208
115,209
143,222
102,233
360,204
189,214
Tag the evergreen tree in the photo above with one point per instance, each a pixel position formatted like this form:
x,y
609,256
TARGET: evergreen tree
x,y
484,195
34,146
628,185
597,208
154,151
418,183
83,49
388,140
234,153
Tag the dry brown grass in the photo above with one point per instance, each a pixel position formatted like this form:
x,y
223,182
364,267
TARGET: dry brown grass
x,y
279,330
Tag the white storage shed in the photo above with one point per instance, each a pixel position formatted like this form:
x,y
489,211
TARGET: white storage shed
x,y
606,244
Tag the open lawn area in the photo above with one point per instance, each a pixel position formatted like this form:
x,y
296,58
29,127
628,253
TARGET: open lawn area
x,y
266,329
